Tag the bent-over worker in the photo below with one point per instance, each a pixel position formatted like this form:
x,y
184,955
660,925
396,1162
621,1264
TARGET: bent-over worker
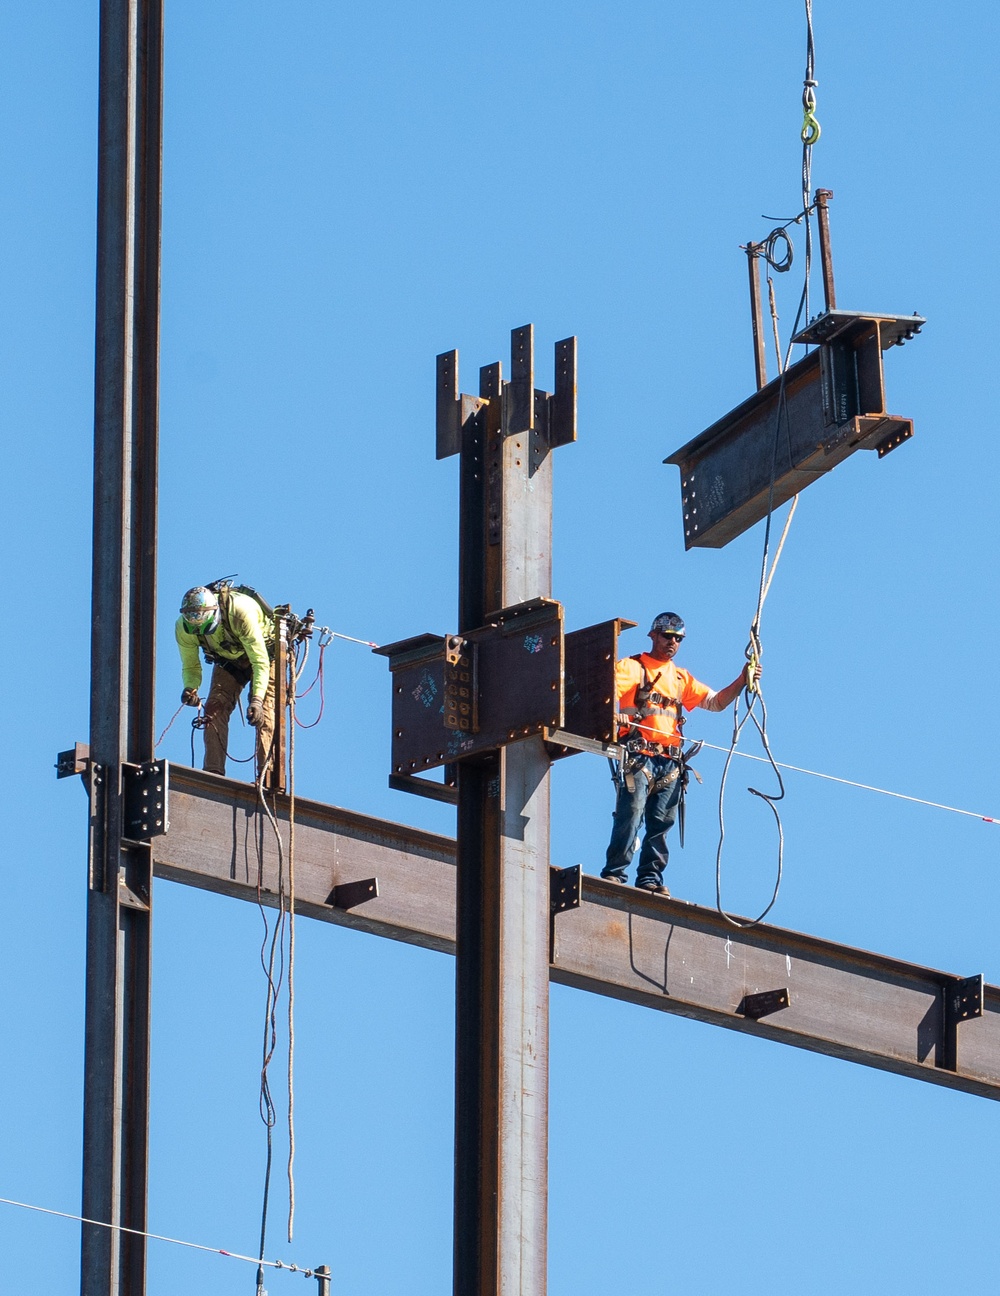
x,y
653,695
236,636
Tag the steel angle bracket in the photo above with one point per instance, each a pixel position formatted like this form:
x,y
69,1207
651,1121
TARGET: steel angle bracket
x,y
348,895
565,893
514,664
72,762
145,800
565,889
962,1001
830,403
764,1003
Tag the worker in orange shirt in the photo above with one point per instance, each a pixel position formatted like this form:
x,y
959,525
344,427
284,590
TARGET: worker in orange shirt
x,y
653,695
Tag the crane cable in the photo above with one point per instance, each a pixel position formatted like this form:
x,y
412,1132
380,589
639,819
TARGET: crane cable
x,y
752,693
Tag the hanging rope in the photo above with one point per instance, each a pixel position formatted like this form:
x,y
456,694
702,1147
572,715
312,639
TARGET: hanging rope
x,y
272,961
753,697
292,678
169,723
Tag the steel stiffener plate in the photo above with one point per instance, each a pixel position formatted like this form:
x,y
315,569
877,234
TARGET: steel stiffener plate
x,y
519,658
590,703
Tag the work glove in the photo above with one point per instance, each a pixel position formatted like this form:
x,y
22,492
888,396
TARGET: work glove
x,y
190,698
255,712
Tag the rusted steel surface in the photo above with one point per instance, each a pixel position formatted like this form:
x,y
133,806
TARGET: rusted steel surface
x,y
800,426
823,197
116,1049
502,913
216,842
845,1002
753,251
509,673
590,702
663,954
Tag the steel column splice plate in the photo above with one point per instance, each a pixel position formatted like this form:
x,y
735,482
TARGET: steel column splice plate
x,y
145,792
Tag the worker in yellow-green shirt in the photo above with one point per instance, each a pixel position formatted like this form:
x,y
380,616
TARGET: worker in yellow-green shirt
x,y
235,634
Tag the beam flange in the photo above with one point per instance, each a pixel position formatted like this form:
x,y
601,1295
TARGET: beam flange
x,y
621,942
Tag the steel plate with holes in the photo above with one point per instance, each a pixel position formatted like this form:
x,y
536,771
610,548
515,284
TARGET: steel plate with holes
x,y
519,672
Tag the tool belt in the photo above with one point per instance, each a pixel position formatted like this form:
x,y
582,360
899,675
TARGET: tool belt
x,y
633,764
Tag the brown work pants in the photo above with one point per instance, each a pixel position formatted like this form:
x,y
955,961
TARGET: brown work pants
x,y
221,702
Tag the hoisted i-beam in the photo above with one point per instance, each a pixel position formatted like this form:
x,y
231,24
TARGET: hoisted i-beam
x,y
512,693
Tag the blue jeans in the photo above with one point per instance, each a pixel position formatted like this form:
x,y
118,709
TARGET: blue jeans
x,y
658,810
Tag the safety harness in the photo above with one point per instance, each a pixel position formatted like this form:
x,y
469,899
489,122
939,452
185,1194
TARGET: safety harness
x,y
239,668
648,702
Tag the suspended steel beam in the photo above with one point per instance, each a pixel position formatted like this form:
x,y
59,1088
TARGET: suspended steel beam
x,y
116,1054
663,954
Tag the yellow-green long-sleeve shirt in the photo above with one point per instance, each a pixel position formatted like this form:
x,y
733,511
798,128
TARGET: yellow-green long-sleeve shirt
x,y
243,634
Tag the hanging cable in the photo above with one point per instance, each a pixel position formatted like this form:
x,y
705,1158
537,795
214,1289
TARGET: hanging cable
x,y
753,694
317,679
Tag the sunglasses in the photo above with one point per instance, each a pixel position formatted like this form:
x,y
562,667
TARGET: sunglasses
x,y
665,634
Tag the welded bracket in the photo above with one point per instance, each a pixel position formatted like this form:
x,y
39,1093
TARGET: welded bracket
x,y
763,1004
962,1001
129,898
348,895
74,761
144,800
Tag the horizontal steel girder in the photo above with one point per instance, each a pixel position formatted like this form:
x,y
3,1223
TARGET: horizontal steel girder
x,y
620,942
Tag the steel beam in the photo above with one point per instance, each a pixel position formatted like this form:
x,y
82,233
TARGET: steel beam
x,y
662,954
665,954
116,1054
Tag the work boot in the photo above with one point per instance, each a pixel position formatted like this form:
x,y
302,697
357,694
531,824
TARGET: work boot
x,y
613,877
656,888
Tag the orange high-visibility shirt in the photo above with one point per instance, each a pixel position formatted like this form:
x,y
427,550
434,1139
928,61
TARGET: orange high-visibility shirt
x,y
673,688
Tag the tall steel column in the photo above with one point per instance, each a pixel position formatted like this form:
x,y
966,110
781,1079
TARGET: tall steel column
x,y
115,1127
502,930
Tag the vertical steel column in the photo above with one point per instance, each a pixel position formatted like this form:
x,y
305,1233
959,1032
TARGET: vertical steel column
x,y
823,197
116,1059
757,314
502,995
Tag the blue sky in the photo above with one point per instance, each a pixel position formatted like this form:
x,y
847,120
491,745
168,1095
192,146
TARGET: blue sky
x,y
348,191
